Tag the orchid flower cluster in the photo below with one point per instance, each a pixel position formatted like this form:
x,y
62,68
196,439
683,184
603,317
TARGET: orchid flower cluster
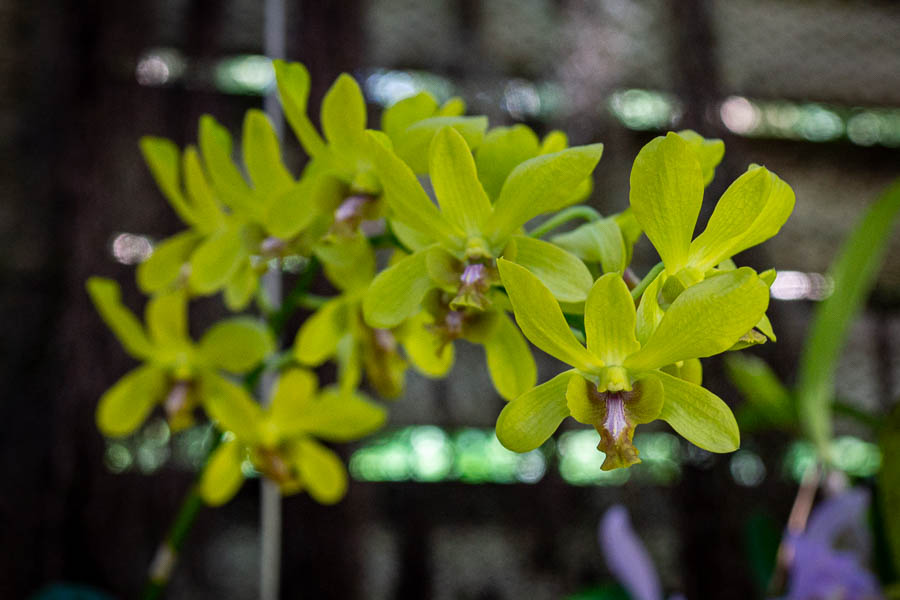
x,y
421,227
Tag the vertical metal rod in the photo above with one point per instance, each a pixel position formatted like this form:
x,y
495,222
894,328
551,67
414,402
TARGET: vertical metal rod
x,y
270,498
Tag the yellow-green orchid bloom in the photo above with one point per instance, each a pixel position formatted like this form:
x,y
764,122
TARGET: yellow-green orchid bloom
x,y
280,440
667,182
618,381
455,245
348,184
174,367
337,329
236,226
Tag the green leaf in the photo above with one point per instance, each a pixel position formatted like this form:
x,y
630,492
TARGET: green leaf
x,y
216,260
760,386
293,89
889,484
404,113
397,292
338,417
541,184
751,210
237,344
163,267
215,146
208,215
262,155
409,202
509,359
666,194
413,144
502,149
698,415
319,335
163,159
223,476
705,319
166,318
107,298
854,273
540,318
609,320
529,420
455,181
598,242
125,406
564,275
709,153
322,472
344,115
231,406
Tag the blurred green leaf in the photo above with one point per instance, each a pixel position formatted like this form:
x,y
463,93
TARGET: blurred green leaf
x,y
889,484
762,535
854,272
768,398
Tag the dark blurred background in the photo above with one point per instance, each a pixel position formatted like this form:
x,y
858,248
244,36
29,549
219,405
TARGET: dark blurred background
x,y
436,508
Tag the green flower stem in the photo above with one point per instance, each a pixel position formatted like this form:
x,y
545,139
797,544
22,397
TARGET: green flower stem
x,y
638,290
570,214
294,299
163,563
312,301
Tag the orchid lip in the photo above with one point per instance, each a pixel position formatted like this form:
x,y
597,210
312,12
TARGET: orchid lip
x,y
615,422
454,321
385,340
177,399
473,274
351,208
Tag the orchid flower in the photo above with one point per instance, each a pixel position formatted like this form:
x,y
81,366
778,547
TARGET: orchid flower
x,y
617,381
280,440
174,367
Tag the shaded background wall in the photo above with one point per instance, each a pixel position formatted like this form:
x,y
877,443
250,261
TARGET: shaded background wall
x,y
811,90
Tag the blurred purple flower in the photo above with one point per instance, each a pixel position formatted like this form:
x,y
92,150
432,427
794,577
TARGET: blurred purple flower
x,y
626,556
819,571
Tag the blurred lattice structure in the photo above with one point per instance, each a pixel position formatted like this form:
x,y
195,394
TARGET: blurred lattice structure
x,y
75,103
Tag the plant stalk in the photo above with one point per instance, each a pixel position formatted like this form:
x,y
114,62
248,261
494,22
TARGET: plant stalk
x,y
641,287
274,46
570,214
160,571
